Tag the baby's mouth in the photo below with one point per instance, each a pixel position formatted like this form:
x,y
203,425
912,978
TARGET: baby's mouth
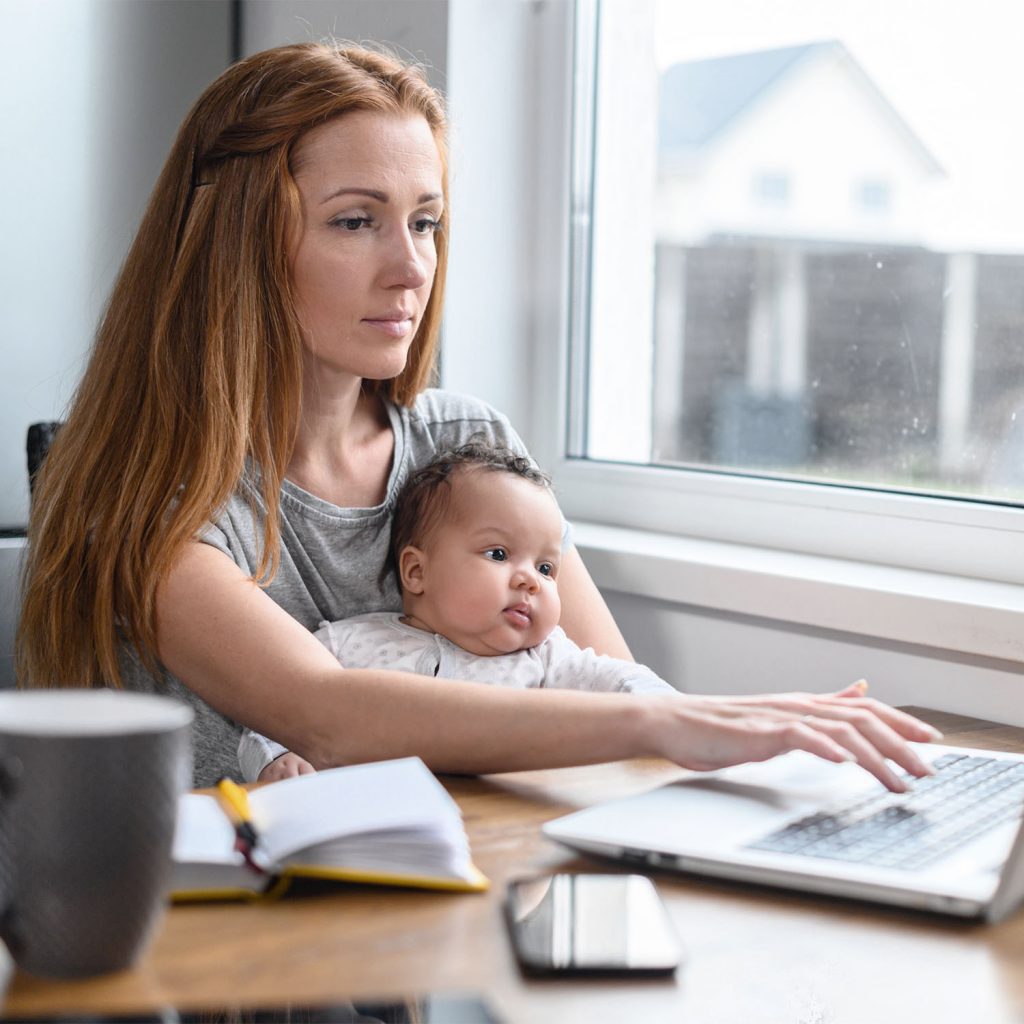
x,y
518,614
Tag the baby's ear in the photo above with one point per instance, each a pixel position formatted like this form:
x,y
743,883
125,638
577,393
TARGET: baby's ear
x,y
411,562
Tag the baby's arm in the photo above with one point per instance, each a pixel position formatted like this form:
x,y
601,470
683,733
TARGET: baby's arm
x,y
567,667
263,760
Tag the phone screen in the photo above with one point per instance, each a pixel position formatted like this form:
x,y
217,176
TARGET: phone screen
x,y
591,924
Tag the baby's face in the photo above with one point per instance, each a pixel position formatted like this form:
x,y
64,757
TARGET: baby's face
x,y
488,573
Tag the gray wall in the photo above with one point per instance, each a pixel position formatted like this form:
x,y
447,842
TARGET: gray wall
x,y
92,93
416,29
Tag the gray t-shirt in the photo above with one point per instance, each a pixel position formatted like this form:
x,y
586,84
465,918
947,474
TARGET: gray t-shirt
x,y
331,558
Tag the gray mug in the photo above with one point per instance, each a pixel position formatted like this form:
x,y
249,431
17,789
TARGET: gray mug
x,y
89,788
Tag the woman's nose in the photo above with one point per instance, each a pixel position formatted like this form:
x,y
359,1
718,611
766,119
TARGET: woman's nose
x,y
406,266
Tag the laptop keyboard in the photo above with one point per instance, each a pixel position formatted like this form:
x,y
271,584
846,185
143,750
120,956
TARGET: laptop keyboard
x,y
966,798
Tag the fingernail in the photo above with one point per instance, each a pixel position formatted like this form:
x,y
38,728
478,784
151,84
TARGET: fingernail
x,y
933,732
862,685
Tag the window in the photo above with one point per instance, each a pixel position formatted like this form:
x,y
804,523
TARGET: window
x,y
811,377
772,189
874,196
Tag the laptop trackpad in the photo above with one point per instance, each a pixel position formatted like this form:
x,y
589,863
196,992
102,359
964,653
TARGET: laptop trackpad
x,y
728,808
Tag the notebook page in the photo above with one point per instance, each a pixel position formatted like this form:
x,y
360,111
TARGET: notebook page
x,y
310,809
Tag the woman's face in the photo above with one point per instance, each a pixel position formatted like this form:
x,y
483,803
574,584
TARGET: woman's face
x,y
363,266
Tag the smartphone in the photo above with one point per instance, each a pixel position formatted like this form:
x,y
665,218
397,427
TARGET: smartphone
x,y
590,924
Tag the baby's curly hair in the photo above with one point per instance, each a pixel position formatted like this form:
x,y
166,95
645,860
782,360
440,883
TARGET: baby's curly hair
x,y
425,497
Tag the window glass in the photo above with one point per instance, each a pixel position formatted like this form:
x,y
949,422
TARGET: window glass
x,y
806,250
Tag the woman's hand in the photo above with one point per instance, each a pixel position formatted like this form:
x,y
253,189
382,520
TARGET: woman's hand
x,y
712,732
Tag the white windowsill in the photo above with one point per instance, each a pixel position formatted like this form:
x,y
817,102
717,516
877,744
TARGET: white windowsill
x,y
949,613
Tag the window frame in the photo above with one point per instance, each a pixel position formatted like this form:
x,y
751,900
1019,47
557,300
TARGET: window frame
x,y
974,539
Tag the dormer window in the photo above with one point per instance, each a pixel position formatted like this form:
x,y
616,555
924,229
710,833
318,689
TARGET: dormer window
x,y
874,196
772,189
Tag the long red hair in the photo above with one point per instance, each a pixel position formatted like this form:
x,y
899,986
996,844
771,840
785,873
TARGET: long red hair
x,y
196,366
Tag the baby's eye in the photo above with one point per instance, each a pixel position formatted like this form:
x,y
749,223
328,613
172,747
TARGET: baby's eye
x,y
496,554
546,569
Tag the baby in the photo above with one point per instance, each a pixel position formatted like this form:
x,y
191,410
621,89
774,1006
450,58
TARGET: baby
x,y
476,543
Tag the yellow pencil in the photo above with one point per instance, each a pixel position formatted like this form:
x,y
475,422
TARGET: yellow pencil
x,y
237,801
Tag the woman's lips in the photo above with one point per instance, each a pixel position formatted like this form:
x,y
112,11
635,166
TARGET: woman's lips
x,y
394,328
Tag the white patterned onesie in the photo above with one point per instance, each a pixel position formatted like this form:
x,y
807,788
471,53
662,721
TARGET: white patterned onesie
x,y
381,640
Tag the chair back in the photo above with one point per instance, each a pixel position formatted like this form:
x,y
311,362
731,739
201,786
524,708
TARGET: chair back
x,y
40,437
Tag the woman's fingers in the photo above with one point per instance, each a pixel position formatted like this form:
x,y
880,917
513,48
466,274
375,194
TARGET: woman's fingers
x,y
857,689
802,735
884,734
866,714
871,749
843,726
710,734
906,725
838,741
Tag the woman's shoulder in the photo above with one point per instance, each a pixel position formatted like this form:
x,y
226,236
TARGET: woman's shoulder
x,y
437,407
441,419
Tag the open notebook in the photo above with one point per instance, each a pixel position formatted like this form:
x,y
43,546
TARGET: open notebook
x,y
388,823
954,844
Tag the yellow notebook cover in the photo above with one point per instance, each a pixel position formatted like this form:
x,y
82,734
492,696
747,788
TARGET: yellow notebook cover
x,y
386,823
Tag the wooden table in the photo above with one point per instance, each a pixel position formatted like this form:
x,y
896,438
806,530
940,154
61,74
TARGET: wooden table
x,y
753,954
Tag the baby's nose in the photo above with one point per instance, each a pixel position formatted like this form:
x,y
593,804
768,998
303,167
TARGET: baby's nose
x,y
526,578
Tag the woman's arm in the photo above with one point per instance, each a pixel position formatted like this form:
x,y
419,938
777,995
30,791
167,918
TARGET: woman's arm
x,y
246,657
585,617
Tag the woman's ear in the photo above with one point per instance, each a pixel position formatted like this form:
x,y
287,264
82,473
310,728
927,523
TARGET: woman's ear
x,y
411,569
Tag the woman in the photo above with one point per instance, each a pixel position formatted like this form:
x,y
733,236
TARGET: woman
x,y
253,402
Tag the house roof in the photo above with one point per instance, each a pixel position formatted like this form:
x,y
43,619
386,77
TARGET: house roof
x,y
698,99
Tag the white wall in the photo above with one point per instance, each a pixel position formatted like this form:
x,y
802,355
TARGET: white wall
x,y
91,93
703,651
488,317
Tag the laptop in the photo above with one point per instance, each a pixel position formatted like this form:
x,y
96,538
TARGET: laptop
x,y
952,845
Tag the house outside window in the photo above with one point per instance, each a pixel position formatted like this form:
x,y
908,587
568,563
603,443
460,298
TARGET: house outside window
x,y
807,356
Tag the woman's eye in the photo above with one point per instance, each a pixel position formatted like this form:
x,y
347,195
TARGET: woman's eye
x,y
426,226
496,554
546,569
351,223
